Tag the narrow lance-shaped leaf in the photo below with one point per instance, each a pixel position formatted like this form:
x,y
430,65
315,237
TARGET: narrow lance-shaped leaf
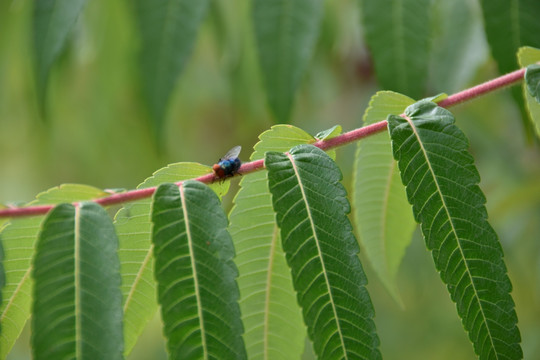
x,y
18,239
53,20
168,31
442,186
397,33
458,45
273,323
510,25
381,212
133,226
321,250
77,307
285,33
196,276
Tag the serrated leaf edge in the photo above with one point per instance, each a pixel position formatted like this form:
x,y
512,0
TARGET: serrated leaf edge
x,y
477,298
319,251
193,262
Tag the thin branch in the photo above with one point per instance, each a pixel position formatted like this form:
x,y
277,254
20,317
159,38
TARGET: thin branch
x,y
354,135
488,86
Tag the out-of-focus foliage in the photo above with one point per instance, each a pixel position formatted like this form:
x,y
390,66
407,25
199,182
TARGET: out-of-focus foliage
x,y
509,26
98,132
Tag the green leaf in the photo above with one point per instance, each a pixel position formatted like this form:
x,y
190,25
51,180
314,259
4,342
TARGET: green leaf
x,y
3,222
52,22
510,25
442,186
321,250
528,56
168,32
273,323
329,133
397,34
285,33
77,306
2,273
18,239
458,44
521,27
532,80
196,276
382,214
133,226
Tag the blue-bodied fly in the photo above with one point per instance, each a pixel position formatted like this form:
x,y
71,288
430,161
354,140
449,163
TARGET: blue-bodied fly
x,y
229,164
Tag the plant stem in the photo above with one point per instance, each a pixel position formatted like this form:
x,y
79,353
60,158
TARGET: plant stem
x,y
488,86
468,94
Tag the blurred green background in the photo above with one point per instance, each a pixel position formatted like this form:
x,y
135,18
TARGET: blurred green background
x,y
97,132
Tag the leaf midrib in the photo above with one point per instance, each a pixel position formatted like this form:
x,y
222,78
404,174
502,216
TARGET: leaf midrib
x,y
165,31
316,239
78,290
194,269
450,221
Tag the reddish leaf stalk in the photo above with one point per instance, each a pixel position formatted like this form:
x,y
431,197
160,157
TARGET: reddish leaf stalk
x,y
497,83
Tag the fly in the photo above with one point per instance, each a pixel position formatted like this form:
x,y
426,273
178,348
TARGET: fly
x,y
228,165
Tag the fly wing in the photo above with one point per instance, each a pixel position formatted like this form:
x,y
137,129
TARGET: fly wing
x,y
232,154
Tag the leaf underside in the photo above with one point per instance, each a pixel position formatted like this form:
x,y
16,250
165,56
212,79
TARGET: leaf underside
x,y
18,239
458,44
77,303
508,26
442,185
273,323
382,213
321,251
285,33
195,274
168,32
52,22
397,34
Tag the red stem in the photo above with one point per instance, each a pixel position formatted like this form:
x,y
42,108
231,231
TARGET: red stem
x,y
249,167
497,83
